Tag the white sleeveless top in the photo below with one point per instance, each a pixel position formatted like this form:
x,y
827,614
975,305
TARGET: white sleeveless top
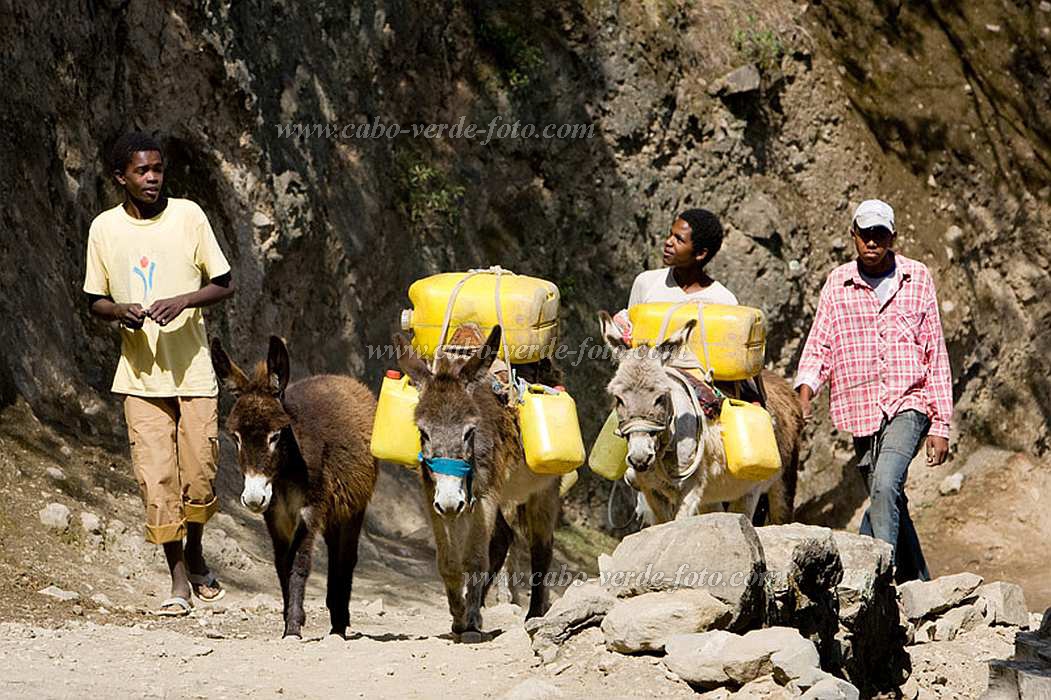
x,y
658,286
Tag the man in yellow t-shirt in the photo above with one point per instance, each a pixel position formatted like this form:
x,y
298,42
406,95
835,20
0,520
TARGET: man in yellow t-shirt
x,y
152,264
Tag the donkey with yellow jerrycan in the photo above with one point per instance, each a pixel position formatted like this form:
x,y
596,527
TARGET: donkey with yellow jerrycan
x,y
489,450
675,436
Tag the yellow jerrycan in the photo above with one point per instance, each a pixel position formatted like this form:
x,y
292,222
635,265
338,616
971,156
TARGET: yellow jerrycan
x,y
734,337
550,430
609,453
526,307
395,437
749,442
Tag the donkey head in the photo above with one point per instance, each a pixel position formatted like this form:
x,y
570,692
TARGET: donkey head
x,y
642,391
456,439
258,421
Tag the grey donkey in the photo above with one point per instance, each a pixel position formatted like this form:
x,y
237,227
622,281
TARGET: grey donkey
x,y
472,471
645,393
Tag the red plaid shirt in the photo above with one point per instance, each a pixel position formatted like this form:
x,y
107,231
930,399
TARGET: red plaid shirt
x,y
879,360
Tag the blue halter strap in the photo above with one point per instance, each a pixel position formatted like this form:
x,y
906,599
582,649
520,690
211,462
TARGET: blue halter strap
x,y
460,468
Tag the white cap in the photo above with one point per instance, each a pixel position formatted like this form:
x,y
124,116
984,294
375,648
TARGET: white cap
x,y
874,212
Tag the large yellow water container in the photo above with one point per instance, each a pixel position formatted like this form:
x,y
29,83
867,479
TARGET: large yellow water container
x,y
528,311
395,437
748,438
550,430
608,456
735,335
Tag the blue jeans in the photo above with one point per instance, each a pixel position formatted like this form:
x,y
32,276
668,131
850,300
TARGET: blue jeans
x,y
883,459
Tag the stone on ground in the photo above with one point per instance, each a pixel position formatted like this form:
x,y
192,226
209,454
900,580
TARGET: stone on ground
x,y
1024,680
832,688
920,599
1004,604
533,689
716,552
644,623
711,659
582,605
55,516
960,619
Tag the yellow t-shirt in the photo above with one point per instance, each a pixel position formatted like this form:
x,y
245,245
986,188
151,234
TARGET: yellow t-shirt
x,y
143,260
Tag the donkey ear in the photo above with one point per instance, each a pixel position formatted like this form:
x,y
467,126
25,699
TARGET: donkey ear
x,y
481,359
675,345
410,362
230,375
277,365
612,334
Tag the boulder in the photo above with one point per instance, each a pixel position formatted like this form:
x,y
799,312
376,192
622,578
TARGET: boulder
x,y
533,689
871,639
1021,680
645,622
920,599
741,80
1004,604
960,619
764,687
1029,646
803,569
716,552
56,592
55,516
582,605
710,659
832,688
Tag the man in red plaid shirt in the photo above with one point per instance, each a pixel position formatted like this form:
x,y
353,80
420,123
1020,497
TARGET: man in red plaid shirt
x,y
877,341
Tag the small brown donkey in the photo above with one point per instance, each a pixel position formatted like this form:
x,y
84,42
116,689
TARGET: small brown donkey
x,y
304,452
473,467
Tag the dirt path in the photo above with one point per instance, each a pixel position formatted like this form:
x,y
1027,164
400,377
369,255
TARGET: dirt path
x,y
400,647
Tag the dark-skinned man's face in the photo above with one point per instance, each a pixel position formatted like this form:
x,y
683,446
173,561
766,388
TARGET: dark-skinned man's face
x,y
872,244
678,246
143,177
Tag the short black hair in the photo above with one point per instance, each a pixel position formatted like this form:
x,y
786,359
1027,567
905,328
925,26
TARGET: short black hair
x,y
706,233
126,145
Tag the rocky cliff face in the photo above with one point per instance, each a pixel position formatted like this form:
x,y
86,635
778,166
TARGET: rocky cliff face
x,y
937,108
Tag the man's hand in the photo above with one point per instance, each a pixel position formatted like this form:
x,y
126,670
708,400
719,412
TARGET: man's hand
x,y
937,450
130,315
805,396
164,311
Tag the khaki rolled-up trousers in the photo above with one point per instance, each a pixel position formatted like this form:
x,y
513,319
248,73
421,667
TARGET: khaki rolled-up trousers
x,y
174,454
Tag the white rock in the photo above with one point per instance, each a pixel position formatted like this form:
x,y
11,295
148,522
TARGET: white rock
x,y
919,599
56,592
832,689
961,619
951,484
645,622
710,659
91,523
1004,604
102,599
55,516
533,689
55,473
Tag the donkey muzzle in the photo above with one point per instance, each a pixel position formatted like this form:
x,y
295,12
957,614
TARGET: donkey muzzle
x,y
452,484
257,491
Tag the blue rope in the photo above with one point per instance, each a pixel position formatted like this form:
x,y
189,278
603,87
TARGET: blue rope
x,y
460,468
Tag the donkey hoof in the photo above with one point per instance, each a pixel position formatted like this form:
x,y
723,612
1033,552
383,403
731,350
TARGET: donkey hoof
x,y
292,637
474,637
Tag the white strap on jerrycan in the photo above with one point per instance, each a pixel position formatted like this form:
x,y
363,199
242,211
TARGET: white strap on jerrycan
x,y
498,272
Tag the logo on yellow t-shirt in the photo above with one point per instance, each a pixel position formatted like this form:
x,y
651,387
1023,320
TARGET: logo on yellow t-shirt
x,y
144,271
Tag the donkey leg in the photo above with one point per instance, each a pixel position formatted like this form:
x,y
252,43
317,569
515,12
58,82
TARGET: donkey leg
x,y
476,559
282,562
301,553
499,544
746,504
342,542
542,511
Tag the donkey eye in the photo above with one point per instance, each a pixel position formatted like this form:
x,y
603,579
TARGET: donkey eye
x,y
237,438
423,434
273,438
468,433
